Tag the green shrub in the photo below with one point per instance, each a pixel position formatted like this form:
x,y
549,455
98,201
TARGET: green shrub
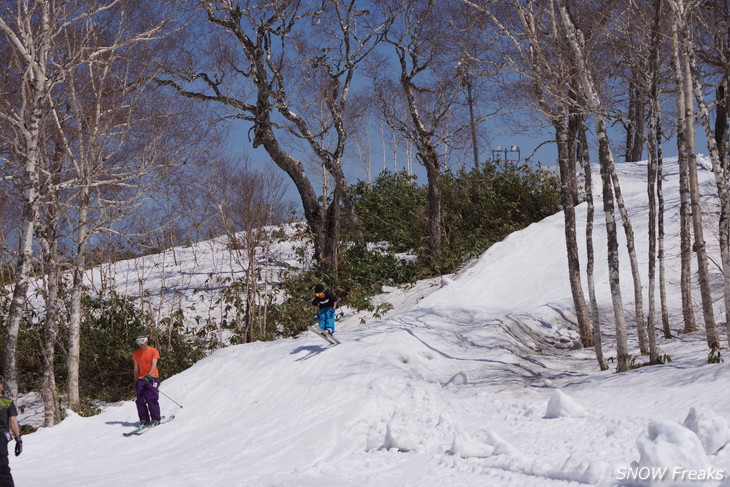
x,y
393,209
363,272
110,323
295,313
479,207
109,327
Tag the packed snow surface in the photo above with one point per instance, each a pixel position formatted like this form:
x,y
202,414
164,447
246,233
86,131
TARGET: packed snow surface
x,y
475,379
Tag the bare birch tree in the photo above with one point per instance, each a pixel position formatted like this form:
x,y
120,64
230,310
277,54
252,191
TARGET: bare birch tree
x,y
610,183
49,240
690,324
31,35
719,168
426,106
653,173
681,14
538,55
660,226
636,42
583,155
104,125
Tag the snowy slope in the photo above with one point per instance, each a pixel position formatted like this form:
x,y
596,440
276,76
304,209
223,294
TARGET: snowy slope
x,y
477,384
165,282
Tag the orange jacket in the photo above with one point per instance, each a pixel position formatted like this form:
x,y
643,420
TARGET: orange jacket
x,y
144,359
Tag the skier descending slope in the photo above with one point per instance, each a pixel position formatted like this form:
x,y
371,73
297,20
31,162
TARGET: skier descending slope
x,y
326,303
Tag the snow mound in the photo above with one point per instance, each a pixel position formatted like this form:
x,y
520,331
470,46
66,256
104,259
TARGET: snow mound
x,y
485,445
671,446
501,447
466,446
402,434
413,414
709,427
562,406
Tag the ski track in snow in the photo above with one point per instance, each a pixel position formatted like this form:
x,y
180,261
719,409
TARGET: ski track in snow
x,y
450,388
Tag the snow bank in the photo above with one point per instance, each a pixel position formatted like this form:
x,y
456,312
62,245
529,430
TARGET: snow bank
x,y
402,433
563,406
415,399
466,446
668,447
486,444
709,427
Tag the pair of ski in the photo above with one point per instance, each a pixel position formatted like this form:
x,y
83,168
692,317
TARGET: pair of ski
x,y
145,428
327,336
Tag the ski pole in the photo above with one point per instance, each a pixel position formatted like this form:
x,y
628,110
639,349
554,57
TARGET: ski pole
x,y
171,399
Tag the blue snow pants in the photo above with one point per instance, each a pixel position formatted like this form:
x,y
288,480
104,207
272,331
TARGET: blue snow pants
x,y
326,317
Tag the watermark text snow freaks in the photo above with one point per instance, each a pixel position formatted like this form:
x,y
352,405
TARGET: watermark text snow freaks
x,y
666,473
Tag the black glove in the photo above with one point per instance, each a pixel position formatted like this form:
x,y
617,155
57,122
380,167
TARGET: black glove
x,y
18,445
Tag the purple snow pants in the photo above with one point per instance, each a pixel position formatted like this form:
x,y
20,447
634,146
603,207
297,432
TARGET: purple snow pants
x,y
148,400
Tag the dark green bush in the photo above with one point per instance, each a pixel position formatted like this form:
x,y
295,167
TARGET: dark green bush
x,y
295,313
109,326
479,207
363,272
393,209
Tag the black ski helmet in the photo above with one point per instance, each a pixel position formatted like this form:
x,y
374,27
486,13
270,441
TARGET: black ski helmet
x,y
319,288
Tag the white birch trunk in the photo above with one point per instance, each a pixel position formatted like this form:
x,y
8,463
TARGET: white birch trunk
x,y
622,348
652,181
651,190
635,272
699,246
49,245
34,88
685,244
596,318
73,354
567,192
660,236
721,181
